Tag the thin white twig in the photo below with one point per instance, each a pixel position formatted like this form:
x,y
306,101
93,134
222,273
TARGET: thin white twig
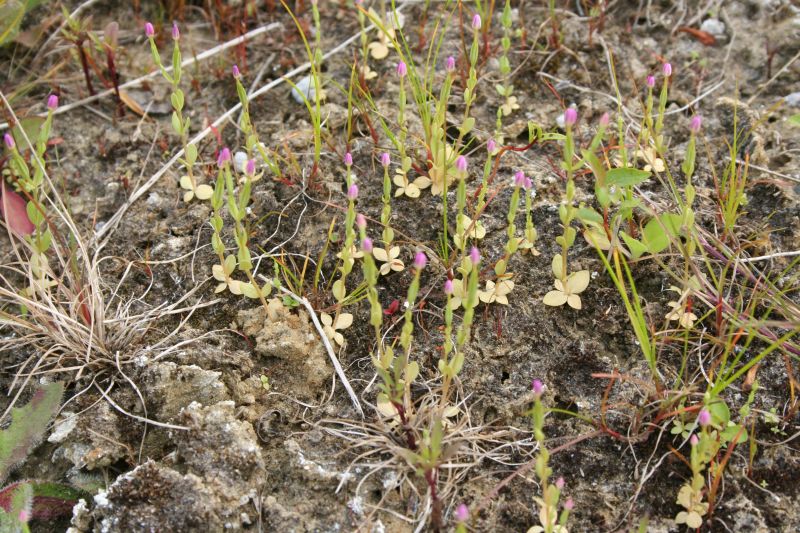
x,y
770,256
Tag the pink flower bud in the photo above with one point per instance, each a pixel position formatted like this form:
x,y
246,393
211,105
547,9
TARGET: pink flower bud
x,y
476,22
538,387
236,73
352,192
461,163
149,30
704,417
366,245
693,440
385,159
250,167
402,69
420,260
52,102
604,120
176,33
474,256
667,70
528,183
696,124
450,64
462,513
570,116
569,505
223,157
491,145
9,141
24,516
448,287
361,221
348,159
651,81
519,179
560,483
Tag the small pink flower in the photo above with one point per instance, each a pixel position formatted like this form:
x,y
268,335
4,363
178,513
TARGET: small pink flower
x,y
236,73
149,30
604,120
476,22
361,221
696,124
366,245
704,417
667,69
519,179
651,81
570,116
448,287
693,440
420,260
538,387
560,483
528,183
250,167
491,145
52,102
24,516
176,33
461,163
386,160
569,504
474,256
352,192
402,69
223,157
9,141
348,159
462,513
450,64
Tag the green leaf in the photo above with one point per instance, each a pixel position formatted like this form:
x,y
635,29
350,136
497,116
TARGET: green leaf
x,y
587,215
28,424
469,123
795,120
626,177
636,248
657,233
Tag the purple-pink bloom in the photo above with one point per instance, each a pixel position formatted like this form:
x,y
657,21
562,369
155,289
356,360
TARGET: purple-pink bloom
x,y
236,73
604,120
420,260
560,483
704,417
570,116
667,69
476,22
528,183
448,287
519,179
651,81
361,221
693,440
462,513
450,64
491,145
385,159
223,157
402,69
352,192
176,33
348,159
538,387
9,141
569,504
366,245
52,102
696,124
149,30
461,163
474,255
250,167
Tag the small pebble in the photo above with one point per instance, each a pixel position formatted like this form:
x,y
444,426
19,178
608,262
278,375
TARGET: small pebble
x,y
714,27
304,87
793,99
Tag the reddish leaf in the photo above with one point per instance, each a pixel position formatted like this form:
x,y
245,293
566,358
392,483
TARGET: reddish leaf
x,y
704,37
12,207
